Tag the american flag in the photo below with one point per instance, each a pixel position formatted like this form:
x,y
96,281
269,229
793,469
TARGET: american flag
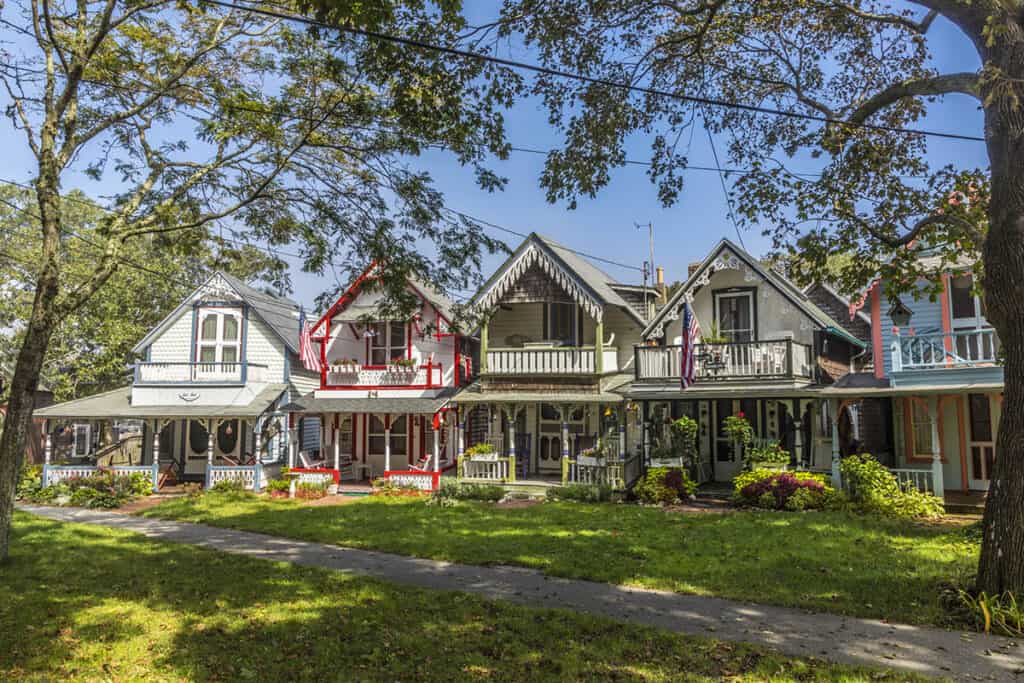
x,y
307,352
691,333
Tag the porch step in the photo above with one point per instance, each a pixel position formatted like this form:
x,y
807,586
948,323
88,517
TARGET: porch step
x,y
529,489
964,508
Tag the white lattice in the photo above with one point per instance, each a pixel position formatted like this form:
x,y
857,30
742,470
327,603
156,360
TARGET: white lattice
x,y
423,482
247,475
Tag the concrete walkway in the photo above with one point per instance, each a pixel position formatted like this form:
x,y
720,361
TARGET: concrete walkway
x,y
928,651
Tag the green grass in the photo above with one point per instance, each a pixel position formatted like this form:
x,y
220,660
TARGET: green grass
x,y
87,603
834,562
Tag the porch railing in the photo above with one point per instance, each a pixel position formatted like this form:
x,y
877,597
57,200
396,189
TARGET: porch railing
x,y
618,474
773,359
148,372
427,375
499,469
251,476
572,360
918,479
53,474
963,348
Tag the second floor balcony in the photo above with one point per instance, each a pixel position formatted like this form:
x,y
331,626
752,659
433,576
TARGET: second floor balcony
x,y
427,374
782,359
958,349
149,372
545,359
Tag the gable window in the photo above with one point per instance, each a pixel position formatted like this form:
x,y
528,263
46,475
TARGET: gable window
x,y
734,314
219,337
563,319
388,342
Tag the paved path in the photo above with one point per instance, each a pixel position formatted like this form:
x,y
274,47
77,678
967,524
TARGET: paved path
x,y
927,651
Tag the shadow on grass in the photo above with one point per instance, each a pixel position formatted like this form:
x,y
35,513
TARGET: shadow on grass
x,y
83,602
826,561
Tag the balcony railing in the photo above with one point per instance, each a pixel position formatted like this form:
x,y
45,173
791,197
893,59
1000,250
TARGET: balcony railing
x,y
781,359
199,373
965,348
565,361
353,376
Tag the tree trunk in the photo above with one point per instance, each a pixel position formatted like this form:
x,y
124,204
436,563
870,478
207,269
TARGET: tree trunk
x,y
38,331
1001,566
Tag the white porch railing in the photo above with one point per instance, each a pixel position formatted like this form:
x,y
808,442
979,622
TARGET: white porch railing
x,y
427,375
250,475
919,479
574,360
964,348
53,474
498,469
618,474
148,372
780,359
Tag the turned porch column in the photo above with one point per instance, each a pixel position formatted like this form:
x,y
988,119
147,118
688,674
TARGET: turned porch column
x,y
387,443
833,409
156,455
337,444
209,451
47,452
437,447
256,459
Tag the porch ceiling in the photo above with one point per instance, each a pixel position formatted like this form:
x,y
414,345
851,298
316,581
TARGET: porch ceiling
x,y
117,404
310,404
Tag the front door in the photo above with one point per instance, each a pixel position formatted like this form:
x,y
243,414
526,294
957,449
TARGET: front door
x,y
549,440
727,460
982,447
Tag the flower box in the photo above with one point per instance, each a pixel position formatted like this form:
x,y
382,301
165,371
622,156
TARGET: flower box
x,y
401,369
346,368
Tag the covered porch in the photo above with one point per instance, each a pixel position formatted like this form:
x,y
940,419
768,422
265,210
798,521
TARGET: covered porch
x,y
170,444
409,441
531,438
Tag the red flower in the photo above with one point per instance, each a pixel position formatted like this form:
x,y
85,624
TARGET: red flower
x,y
740,414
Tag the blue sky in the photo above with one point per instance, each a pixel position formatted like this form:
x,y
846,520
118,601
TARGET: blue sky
x,y
604,226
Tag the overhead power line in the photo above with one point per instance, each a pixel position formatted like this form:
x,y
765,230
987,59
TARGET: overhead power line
x,y
560,73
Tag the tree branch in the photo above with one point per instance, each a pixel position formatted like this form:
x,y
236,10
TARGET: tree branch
x,y
963,82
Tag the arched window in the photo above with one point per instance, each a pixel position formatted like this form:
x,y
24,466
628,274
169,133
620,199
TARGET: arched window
x,y
198,437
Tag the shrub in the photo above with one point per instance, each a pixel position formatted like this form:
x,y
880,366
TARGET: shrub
x,y
771,453
228,486
30,483
453,490
388,487
1000,614
875,490
583,493
663,485
780,490
102,489
308,490
278,485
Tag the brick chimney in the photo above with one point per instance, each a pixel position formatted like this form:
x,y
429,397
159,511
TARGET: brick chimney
x,y
692,268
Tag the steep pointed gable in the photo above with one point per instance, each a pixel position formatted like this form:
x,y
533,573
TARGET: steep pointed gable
x,y
586,284
728,256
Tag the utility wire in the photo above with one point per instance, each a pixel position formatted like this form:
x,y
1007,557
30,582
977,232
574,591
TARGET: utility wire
x,y
559,73
725,190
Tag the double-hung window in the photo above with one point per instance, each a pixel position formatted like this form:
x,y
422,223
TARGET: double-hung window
x,y
388,342
921,430
735,315
219,337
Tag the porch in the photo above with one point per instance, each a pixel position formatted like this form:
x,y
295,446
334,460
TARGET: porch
x,y
535,444
958,349
153,373
547,359
779,359
168,444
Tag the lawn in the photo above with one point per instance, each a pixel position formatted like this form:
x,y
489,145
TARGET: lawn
x,y
832,562
87,603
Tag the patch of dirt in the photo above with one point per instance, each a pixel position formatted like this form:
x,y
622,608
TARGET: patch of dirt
x,y
700,508
518,503
144,504
332,500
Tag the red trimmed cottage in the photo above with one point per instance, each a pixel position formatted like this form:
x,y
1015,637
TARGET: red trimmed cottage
x,y
385,386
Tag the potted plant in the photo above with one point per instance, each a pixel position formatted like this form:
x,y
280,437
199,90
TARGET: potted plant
x,y
402,366
713,336
738,430
482,452
591,457
346,366
770,456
